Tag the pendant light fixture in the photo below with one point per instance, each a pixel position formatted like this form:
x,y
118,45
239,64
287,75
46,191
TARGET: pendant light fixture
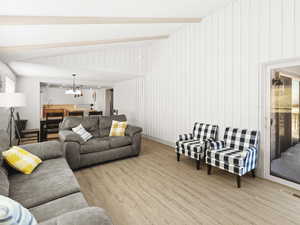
x,y
76,91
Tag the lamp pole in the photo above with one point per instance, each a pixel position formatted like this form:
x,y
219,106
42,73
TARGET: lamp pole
x,y
11,101
12,123
11,109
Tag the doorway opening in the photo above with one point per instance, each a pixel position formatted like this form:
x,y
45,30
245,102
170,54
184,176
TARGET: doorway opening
x,y
284,124
109,102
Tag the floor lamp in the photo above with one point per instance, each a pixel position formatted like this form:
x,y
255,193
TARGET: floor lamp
x,y
12,101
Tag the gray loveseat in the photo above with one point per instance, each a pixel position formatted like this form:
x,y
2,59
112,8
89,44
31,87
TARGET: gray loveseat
x,y
101,148
51,193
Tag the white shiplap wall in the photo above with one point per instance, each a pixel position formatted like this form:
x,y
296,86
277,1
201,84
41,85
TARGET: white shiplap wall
x,y
129,100
209,72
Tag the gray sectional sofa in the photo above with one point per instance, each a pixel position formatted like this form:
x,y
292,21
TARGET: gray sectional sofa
x,y
101,148
51,193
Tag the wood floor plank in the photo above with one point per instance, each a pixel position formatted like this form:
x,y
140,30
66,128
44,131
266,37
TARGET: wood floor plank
x,y
155,189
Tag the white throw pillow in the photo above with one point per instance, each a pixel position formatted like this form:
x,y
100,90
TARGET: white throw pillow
x,y
82,133
12,212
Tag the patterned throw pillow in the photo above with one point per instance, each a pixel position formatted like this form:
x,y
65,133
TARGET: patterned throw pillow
x,y
118,128
82,132
11,212
21,160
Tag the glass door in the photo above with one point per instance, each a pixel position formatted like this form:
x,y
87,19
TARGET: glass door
x,y
285,137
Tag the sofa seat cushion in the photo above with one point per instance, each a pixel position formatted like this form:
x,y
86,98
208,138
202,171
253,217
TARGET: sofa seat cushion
x,y
53,179
116,142
85,216
58,207
95,145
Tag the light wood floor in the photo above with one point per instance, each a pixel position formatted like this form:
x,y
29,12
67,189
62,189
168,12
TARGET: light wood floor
x,y
155,189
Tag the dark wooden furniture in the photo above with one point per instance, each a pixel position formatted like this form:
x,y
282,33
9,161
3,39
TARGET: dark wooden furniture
x,y
24,134
51,124
76,113
95,113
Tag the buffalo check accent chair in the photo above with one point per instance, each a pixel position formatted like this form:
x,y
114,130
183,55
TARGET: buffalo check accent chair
x,y
194,145
237,153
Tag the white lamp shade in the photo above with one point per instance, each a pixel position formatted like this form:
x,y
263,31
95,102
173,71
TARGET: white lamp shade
x,y
72,92
12,100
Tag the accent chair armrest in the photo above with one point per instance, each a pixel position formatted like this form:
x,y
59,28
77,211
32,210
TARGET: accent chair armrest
x,y
86,216
250,158
208,142
216,145
185,137
69,136
45,150
132,130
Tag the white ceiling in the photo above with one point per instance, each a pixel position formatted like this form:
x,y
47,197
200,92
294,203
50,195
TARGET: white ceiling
x,y
103,76
16,35
111,8
43,34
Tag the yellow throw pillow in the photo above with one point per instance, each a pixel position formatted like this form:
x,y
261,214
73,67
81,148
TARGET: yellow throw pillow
x,y
118,128
21,160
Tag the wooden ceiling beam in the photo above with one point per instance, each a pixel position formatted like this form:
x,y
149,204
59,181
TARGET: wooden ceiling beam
x,y
50,20
79,44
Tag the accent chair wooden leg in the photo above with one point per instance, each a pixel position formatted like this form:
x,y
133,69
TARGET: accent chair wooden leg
x,y
208,169
198,164
178,157
253,173
238,180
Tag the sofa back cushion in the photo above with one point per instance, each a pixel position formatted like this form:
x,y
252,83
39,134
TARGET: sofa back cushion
x,y
4,183
90,124
106,121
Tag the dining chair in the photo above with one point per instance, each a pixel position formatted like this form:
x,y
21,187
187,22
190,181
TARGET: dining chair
x,y
76,113
95,113
52,122
26,135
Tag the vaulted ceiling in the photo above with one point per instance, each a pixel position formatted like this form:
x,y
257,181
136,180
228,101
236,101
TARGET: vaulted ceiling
x,y
35,29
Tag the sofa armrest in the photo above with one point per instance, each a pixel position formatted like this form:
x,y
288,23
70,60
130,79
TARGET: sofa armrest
x,y
135,133
45,150
216,145
86,216
69,136
72,154
132,130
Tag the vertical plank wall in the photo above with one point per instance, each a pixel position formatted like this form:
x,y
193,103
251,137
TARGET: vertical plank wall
x,y
129,99
209,72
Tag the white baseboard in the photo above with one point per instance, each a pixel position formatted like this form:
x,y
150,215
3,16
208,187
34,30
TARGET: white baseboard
x,y
160,140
